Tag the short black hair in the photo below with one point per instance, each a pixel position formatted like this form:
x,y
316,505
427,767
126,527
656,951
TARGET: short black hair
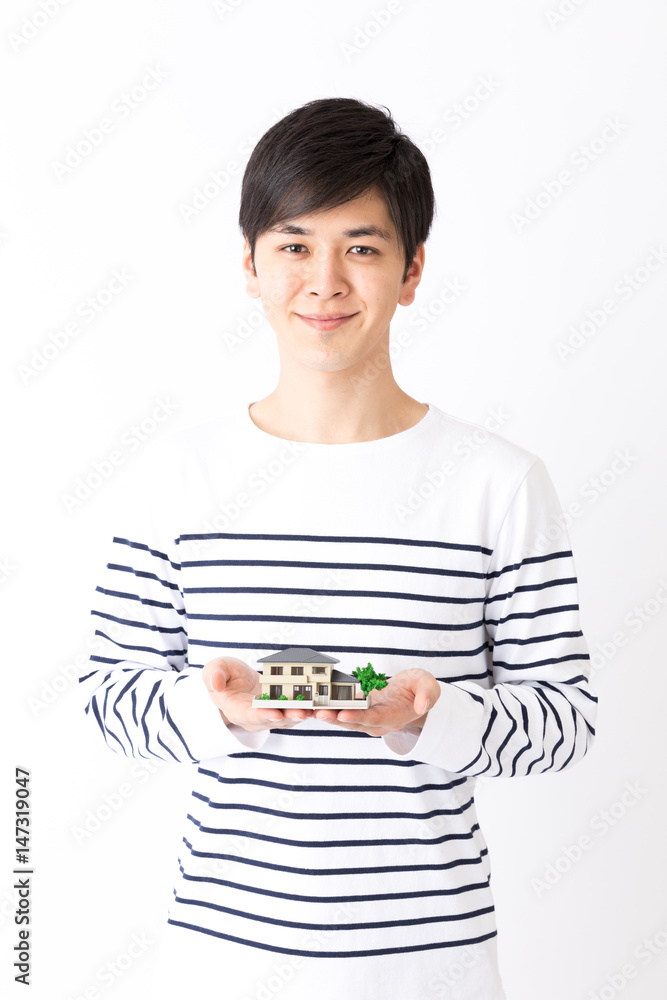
x,y
327,152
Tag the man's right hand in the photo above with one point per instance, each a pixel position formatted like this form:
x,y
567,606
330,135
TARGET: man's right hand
x,y
232,684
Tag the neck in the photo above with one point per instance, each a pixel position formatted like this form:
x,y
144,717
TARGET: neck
x,y
333,408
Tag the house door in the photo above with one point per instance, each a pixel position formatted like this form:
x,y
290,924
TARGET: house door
x,y
275,691
304,689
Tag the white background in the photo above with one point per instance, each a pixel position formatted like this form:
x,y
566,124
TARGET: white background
x,y
183,332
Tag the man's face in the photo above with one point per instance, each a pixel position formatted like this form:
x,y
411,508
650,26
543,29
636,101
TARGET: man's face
x,y
346,262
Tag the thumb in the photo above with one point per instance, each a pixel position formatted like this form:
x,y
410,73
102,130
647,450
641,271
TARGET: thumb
x,y
215,678
422,702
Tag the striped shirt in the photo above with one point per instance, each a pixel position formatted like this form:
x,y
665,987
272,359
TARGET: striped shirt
x,y
346,858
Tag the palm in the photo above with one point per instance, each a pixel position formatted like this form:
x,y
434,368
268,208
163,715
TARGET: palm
x,y
234,685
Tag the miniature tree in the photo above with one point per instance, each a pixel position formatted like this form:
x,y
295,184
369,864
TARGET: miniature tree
x,y
369,679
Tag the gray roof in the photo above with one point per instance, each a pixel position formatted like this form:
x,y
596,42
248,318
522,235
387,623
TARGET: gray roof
x,y
339,677
298,654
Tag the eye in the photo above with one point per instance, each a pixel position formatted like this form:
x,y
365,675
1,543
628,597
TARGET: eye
x,y
299,246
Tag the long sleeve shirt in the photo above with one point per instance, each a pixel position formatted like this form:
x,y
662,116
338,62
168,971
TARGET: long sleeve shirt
x,y
356,860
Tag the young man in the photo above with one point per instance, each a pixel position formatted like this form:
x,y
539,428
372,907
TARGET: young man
x,y
329,851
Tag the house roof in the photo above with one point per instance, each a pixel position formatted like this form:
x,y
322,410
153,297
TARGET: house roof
x,y
340,677
298,654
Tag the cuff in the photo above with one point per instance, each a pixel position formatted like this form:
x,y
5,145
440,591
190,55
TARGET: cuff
x,y
200,722
451,737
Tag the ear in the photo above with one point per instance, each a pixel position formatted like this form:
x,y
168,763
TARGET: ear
x,y
252,281
413,277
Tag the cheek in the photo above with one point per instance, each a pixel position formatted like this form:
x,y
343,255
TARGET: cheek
x,y
278,291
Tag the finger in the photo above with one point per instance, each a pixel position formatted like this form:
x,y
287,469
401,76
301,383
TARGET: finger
x,y
422,702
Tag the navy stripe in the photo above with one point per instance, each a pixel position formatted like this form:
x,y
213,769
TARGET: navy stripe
x,y
141,649
134,624
374,896
429,786
142,574
142,600
530,560
366,925
382,761
373,842
335,954
146,548
443,866
385,567
527,588
315,620
391,650
340,592
539,663
455,811
532,614
382,539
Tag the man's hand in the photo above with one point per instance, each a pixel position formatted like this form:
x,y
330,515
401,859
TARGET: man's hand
x,y
232,684
405,701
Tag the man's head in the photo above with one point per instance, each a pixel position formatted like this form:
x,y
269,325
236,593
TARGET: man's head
x,y
330,151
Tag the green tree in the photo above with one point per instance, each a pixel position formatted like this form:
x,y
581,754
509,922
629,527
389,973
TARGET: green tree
x,y
369,679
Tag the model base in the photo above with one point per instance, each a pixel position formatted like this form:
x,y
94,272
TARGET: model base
x,y
334,705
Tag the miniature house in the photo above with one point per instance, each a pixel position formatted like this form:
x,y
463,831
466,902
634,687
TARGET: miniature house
x,y
299,670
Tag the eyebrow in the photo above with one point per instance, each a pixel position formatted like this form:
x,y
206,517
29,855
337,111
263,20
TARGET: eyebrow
x,y
290,229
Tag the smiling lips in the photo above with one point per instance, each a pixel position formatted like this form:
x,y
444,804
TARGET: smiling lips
x,y
325,321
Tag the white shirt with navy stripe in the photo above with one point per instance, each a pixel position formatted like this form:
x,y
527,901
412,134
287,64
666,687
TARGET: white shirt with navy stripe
x,y
315,858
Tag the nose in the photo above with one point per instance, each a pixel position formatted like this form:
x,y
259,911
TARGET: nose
x,y
325,276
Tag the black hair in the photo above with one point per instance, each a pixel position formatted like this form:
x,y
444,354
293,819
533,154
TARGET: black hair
x,y
327,152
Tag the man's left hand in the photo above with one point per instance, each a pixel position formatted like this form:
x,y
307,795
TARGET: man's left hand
x,y
405,701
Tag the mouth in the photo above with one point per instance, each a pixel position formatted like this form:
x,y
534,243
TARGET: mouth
x,y
326,322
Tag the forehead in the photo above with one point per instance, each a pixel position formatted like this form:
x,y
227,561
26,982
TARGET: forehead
x,y
366,215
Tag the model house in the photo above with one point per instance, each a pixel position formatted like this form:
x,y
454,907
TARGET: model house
x,y
299,670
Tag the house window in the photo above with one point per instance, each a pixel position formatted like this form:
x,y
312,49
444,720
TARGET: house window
x,y
318,670
275,691
323,689
341,692
276,670
297,670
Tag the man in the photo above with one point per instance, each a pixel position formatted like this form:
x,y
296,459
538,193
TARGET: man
x,y
328,850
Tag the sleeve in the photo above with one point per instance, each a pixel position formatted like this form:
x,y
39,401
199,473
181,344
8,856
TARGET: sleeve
x,y
539,712
137,688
